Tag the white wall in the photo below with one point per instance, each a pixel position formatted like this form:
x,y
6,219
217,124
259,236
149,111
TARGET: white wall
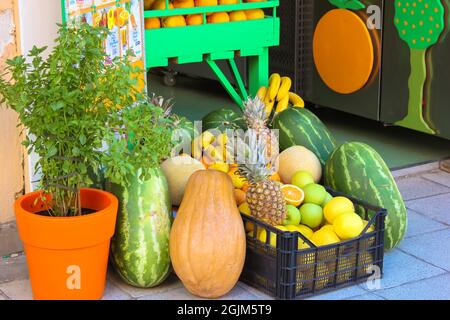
x,y
38,19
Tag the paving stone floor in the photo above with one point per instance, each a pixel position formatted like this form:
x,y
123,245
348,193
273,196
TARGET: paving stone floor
x,y
419,268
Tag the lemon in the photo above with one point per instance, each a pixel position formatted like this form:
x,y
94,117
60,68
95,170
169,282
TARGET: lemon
x,y
348,225
328,227
207,139
245,209
370,229
324,237
305,231
238,181
273,237
337,206
220,166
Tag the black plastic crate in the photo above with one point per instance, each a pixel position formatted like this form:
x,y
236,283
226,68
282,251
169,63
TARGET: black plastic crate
x,y
287,272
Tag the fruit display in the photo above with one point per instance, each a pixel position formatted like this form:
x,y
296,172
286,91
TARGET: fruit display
x,y
298,158
357,169
301,127
197,19
207,240
140,246
178,171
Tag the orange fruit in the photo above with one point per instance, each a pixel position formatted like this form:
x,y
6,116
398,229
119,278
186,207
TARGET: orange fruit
x,y
161,5
254,14
293,194
239,196
237,15
194,19
275,177
173,21
183,3
152,23
228,2
219,17
204,3
245,186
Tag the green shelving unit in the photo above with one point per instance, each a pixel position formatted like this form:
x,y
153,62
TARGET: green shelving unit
x,y
221,41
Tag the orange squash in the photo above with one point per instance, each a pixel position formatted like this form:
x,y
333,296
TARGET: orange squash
x,y
207,240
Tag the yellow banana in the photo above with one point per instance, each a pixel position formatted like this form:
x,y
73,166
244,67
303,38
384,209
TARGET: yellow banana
x,y
282,104
296,100
274,86
262,93
285,87
269,105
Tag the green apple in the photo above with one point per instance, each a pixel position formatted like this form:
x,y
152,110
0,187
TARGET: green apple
x,y
312,215
293,216
315,193
302,178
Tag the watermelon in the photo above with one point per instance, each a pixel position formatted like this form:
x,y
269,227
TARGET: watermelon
x,y
358,170
301,127
224,119
140,246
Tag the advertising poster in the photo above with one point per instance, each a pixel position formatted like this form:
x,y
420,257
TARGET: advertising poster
x,y
124,20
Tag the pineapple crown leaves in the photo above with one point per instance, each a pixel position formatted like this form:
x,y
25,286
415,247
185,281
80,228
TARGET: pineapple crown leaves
x,y
348,4
256,168
419,24
164,104
255,113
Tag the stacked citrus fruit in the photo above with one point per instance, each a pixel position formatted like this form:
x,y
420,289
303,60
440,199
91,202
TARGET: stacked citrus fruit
x,y
197,19
311,210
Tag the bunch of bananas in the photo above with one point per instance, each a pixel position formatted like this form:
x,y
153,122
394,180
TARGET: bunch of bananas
x,y
279,92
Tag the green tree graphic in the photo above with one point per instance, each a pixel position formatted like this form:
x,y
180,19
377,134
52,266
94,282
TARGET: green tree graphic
x,y
420,24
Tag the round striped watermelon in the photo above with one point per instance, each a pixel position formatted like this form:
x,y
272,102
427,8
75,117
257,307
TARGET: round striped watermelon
x,y
358,170
140,246
224,119
301,127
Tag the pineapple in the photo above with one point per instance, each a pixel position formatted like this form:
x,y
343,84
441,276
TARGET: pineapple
x,y
257,120
264,196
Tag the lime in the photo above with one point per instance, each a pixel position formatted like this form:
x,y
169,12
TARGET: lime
x,y
312,215
302,179
328,198
293,216
314,193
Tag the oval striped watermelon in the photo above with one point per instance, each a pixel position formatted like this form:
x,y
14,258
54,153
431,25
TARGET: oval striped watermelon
x,y
140,246
301,127
358,170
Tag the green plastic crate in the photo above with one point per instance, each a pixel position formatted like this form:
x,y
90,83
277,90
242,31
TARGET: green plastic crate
x,y
210,42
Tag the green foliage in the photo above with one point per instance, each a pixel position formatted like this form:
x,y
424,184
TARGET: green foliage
x,y
142,138
65,103
348,4
419,23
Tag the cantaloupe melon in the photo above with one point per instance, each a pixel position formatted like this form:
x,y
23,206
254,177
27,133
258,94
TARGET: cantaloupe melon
x,y
177,171
298,158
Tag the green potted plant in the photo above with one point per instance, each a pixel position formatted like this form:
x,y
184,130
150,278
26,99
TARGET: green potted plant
x,y
64,102
143,138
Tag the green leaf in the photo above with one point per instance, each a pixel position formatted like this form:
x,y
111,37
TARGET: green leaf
x,y
57,105
82,139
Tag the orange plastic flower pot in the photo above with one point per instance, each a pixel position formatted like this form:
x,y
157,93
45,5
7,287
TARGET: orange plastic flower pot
x,y
67,257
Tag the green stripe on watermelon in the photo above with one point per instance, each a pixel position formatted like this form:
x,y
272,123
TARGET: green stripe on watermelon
x,y
140,246
299,126
358,170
